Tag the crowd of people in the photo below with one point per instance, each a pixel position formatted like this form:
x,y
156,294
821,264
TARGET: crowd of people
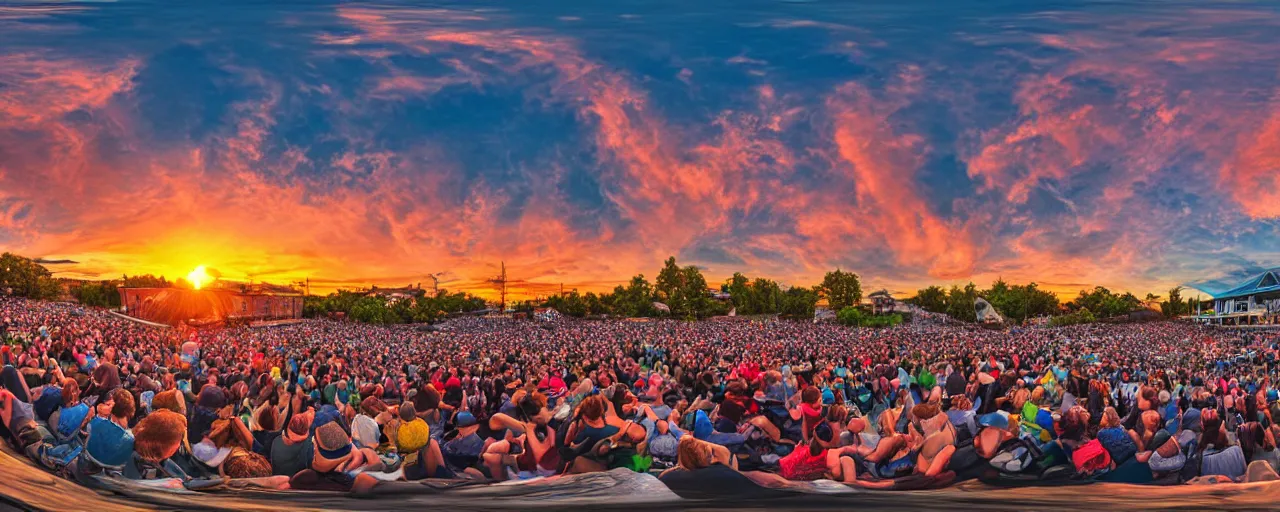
x,y
344,406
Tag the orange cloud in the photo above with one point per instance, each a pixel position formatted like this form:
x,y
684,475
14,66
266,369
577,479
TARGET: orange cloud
x,y
673,192
1253,176
884,164
789,185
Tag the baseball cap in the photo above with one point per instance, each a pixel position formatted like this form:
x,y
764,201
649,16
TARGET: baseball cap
x,y
994,419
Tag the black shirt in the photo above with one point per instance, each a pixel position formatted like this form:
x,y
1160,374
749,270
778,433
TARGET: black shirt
x,y
288,459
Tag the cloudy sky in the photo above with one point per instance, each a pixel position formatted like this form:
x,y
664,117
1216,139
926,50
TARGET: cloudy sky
x,y
1067,143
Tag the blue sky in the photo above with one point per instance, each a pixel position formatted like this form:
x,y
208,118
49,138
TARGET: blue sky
x,y
1073,144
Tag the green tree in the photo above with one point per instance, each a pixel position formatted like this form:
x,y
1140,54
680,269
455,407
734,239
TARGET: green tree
x,y
569,304
767,295
932,299
362,306
144,281
960,302
633,300
26,278
1037,302
1020,302
595,306
841,289
854,316
739,288
684,290
524,306
799,302
1103,303
1080,316
1175,306
102,294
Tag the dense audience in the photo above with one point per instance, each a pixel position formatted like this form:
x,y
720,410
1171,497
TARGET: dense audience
x,y
346,406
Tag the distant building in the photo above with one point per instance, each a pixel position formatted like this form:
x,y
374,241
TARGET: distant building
x,y
1256,301
546,314
823,314
882,303
241,304
392,295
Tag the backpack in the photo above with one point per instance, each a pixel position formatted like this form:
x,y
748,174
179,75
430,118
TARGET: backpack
x,y
1091,457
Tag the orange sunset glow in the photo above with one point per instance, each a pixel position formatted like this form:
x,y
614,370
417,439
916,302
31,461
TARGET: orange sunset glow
x,y
401,143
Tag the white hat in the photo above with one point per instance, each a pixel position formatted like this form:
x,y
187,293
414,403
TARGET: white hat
x,y
364,430
211,455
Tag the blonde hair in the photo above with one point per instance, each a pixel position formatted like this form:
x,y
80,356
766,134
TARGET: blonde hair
x,y
693,454
1110,418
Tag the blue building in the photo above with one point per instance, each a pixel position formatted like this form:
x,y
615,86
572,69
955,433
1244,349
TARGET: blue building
x,y
1256,301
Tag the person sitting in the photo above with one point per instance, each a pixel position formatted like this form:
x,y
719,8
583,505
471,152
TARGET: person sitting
x,y
18,425
335,459
421,453
108,447
1220,457
695,454
600,438
158,437
1165,458
66,423
1259,444
463,446
937,439
292,451
820,458
1122,444
267,423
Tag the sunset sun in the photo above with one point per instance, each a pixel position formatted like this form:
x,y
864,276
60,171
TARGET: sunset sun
x,y
199,277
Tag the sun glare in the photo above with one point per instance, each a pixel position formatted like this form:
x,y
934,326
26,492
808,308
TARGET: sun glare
x,y
198,277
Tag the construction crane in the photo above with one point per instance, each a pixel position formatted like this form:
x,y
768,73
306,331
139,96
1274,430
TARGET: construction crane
x,y
435,283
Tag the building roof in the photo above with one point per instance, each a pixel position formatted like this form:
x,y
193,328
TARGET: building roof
x,y
1266,282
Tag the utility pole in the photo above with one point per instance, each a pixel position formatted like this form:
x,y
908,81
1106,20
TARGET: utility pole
x,y
501,283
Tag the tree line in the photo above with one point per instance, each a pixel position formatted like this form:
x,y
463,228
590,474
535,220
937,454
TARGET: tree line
x,y
363,306
106,294
23,277
678,291
685,293
1018,303
1021,302
1014,302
